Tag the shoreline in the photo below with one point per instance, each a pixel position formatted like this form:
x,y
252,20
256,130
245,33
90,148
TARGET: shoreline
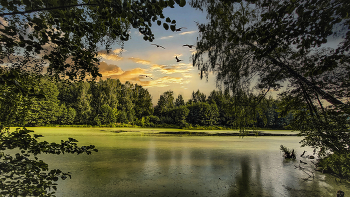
x,y
202,133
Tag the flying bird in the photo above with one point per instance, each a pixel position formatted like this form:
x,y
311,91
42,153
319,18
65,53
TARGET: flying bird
x,y
179,29
188,45
158,45
177,59
146,76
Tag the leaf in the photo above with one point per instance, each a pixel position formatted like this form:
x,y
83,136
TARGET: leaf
x,y
166,26
182,3
159,22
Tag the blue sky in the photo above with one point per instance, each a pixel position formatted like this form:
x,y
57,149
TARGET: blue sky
x,y
140,57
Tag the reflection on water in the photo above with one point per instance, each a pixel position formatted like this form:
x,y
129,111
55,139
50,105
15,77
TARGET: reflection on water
x,y
188,166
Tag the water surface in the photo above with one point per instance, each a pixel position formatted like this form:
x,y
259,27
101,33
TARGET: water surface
x,y
186,166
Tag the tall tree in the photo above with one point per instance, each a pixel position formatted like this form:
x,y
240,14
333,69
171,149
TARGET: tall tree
x,y
143,102
179,101
126,107
44,110
284,42
202,113
165,102
197,97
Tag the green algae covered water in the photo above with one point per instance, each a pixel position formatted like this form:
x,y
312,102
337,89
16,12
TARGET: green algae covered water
x,y
138,165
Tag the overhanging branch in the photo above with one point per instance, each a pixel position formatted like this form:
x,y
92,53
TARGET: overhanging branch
x,y
297,76
46,9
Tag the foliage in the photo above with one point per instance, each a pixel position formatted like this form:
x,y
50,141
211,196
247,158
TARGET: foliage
x,y
202,113
179,101
288,154
338,164
272,43
165,101
63,39
23,174
197,97
70,32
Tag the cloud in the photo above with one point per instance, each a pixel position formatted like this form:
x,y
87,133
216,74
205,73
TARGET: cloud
x,y
170,69
166,37
188,32
109,69
165,81
109,56
187,75
139,61
136,76
117,51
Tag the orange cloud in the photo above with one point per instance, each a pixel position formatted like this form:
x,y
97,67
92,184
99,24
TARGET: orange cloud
x,y
140,61
109,69
169,69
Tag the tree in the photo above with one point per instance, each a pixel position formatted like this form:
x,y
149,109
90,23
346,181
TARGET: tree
x,y
178,114
245,44
70,31
197,97
222,101
143,102
82,102
108,115
165,102
202,113
23,174
44,110
179,101
64,35
126,107
67,115
283,42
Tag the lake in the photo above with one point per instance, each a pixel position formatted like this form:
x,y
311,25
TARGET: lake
x,y
156,165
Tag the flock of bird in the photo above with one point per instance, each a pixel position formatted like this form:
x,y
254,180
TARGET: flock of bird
x,y
177,59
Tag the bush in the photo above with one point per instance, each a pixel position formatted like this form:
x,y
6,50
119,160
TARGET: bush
x,y
336,163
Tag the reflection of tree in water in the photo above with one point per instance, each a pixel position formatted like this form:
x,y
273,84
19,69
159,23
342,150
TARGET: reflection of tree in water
x,y
244,184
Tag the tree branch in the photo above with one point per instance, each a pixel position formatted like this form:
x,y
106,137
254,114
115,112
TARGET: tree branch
x,y
46,9
317,89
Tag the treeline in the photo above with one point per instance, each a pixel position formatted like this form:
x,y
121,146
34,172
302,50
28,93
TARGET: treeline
x,y
111,103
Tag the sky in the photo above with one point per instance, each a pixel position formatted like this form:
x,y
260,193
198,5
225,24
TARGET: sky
x,y
140,58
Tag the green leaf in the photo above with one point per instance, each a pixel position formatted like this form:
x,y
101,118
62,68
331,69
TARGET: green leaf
x,y
168,20
159,22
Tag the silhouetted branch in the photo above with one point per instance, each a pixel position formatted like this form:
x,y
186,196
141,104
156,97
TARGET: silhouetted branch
x,y
46,9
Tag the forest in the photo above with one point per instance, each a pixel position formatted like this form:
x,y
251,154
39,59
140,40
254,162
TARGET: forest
x,y
111,103
277,41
